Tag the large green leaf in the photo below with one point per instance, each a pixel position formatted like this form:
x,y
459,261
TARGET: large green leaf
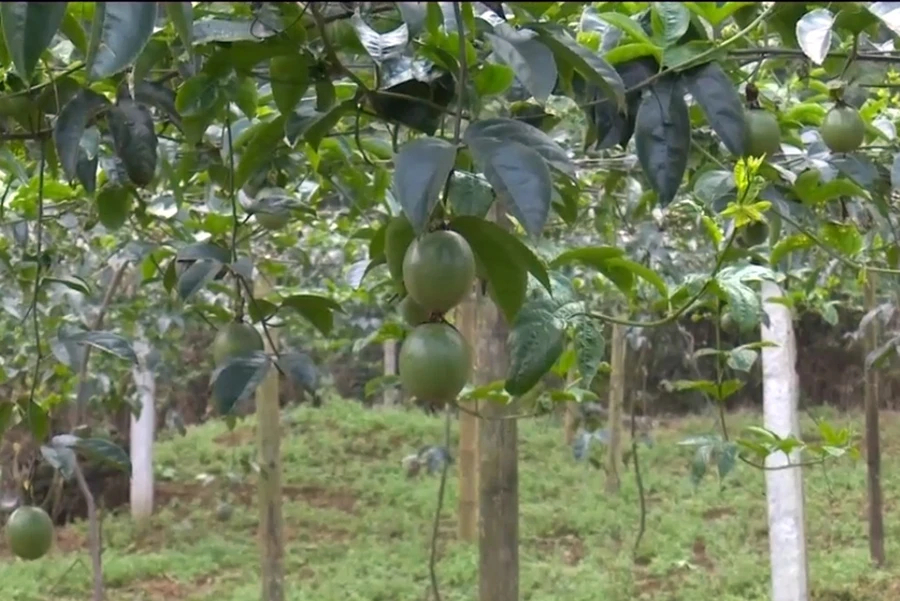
x,y
237,379
719,99
589,64
114,205
318,310
470,194
536,340
671,21
518,174
301,368
663,137
513,130
103,451
118,34
107,342
814,34
70,127
182,16
590,348
134,139
530,59
421,169
28,28
487,238
290,79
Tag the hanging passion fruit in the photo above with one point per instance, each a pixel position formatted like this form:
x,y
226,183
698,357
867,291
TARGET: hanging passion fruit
x,y
438,270
763,133
843,130
435,363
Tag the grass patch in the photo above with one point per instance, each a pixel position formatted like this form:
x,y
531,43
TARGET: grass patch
x,y
358,530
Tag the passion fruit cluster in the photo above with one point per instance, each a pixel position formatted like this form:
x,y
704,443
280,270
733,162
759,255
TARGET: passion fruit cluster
x,y
436,270
842,129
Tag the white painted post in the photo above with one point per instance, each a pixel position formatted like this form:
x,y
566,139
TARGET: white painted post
x,y
784,487
142,433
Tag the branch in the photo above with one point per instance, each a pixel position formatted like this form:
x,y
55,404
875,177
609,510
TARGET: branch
x,y
94,536
758,53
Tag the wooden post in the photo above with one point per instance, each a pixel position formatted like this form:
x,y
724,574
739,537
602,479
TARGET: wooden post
x,y
784,487
498,577
268,429
143,430
467,324
616,402
873,435
389,349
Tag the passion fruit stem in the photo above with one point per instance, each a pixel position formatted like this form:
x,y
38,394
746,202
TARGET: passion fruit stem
x,y
751,92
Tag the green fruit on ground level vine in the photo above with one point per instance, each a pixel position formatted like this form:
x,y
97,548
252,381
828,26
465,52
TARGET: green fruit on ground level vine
x,y
412,312
438,270
273,221
234,340
29,532
435,362
763,133
843,130
397,238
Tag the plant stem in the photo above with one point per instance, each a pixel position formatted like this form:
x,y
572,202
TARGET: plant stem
x,y
94,535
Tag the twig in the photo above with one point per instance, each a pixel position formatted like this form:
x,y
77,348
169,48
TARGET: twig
x,y
787,466
436,525
871,57
98,323
94,536
235,222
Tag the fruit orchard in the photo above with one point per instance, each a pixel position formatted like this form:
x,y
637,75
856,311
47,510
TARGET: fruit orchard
x,y
277,176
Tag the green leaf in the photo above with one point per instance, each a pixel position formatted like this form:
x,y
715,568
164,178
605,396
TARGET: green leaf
x,y
70,127
630,52
641,271
197,95
72,282
492,79
513,130
28,28
470,194
314,125
699,463
593,68
100,450
536,340
107,342
243,92
60,457
663,137
263,141
301,368
182,16
113,206
290,80
528,57
318,310
628,26
593,256
590,348
488,239
237,379
158,96
726,458
673,18
842,236
381,46
134,139
814,34
119,32
421,169
742,359
888,13
221,30
196,276
517,173
72,29
204,250
719,99
788,245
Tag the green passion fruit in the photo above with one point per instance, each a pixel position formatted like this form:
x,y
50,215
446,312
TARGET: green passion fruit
x,y
234,340
843,130
755,233
438,270
763,133
397,238
435,362
29,532
412,312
